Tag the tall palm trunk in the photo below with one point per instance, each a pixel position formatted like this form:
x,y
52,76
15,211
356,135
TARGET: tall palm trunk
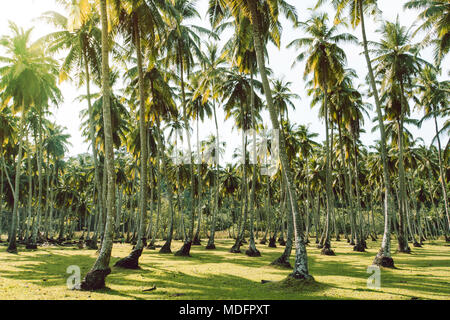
x,y
34,235
252,251
132,260
402,235
12,246
383,258
301,259
186,248
98,184
166,247
441,171
244,189
329,200
211,244
95,278
196,240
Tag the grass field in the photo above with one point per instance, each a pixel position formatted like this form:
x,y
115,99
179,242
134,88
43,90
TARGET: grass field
x,y
41,274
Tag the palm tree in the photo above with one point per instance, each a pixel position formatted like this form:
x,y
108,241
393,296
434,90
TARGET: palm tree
x,y
28,80
82,38
140,20
325,60
181,45
95,278
397,62
256,12
436,16
357,10
210,78
434,99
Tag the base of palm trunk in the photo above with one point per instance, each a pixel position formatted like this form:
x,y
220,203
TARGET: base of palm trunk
x,y
185,250
272,243
12,249
31,246
196,241
297,276
165,248
447,239
131,261
210,246
383,261
281,242
92,244
253,252
94,280
417,245
236,248
359,247
263,241
326,251
282,262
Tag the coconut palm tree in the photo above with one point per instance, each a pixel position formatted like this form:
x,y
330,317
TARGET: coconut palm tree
x,y
28,80
357,11
397,61
95,278
436,16
180,46
434,99
325,61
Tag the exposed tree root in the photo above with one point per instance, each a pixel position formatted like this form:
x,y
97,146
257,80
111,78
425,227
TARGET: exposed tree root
x,y
165,248
282,262
327,252
94,280
91,244
383,261
281,242
210,246
185,250
359,247
196,241
272,243
253,252
131,261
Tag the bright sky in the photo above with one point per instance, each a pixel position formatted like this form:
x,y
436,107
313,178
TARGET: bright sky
x,y
24,12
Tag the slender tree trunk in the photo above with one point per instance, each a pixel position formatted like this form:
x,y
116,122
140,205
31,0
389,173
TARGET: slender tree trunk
x,y
186,248
441,172
329,197
166,247
252,251
12,246
95,278
383,258
211,244
132,260
403,235
301,261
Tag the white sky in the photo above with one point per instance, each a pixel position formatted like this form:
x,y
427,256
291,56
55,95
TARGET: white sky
x,y
23,13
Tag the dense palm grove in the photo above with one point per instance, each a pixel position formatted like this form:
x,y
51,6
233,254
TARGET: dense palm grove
x,y
138,184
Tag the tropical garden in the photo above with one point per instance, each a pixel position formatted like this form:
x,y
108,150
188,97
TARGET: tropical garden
x,y
154,204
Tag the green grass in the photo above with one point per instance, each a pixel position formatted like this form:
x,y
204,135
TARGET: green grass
x,y
41,274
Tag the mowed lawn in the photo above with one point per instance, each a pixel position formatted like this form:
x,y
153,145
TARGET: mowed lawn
x,y
218,274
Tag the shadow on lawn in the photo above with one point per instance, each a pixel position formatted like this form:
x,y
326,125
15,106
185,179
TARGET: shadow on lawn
x,y
48,266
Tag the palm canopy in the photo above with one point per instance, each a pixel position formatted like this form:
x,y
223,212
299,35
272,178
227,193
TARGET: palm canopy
x,y
436,21
325,60
28,77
